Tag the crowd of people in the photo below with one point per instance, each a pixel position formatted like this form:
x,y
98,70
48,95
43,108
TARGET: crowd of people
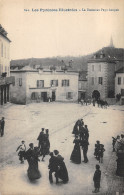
x,y
56,162
101,103
81,140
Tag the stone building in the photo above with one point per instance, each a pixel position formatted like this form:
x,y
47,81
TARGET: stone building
x,y
5,79
101,71
82,85
39,85
119,84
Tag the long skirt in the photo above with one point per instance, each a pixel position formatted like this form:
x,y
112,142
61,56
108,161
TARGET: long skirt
x,y
33,172
76,155
63,173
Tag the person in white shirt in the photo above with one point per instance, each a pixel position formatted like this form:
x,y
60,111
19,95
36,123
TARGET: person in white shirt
x,y
22,150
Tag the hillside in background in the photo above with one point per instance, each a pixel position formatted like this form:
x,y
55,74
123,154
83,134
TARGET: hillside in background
x,y
78,63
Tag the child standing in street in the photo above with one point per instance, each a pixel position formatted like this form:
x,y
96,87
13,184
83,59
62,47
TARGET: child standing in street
x,y
96,179
100,153
22,150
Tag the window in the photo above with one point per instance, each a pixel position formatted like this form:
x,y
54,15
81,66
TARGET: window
x,y
92,67
20,81
100,80
2,49
69,95
8,53
122,92
40,83
119,80
34,96
65,83
100,67
54,83
92,80
5,51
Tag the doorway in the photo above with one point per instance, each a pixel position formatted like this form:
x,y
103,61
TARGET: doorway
x,y
44,96
53,96
96,95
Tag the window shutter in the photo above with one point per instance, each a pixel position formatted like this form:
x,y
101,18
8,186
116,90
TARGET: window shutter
x,y
37,83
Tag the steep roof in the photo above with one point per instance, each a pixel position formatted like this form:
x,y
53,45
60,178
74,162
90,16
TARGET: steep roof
x,y
121,70
4,33
109,54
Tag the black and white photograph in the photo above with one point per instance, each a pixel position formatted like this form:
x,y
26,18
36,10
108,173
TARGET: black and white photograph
x,y
61,97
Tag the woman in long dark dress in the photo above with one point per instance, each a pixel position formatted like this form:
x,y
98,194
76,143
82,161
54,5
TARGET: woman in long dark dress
x,y
32,158
62,172
76,153
76,128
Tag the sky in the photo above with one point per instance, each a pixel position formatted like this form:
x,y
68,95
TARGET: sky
x,y
41,34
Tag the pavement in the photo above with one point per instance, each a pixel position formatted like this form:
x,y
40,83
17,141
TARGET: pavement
x,y
25,122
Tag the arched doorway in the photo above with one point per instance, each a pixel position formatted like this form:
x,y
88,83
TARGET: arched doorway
x,y
96,95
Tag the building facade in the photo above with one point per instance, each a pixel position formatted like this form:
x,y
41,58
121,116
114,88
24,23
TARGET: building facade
x,y
119,84
33,85
101,73
5,79
82,85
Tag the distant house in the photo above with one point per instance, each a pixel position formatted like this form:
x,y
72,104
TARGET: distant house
x,y
101,71
5,79
39,85
119,84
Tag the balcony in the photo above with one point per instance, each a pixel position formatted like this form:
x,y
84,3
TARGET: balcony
x,y
7,80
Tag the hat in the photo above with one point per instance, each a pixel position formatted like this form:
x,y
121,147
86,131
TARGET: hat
x,y
42,129
56,152
97,167
31,144
51,153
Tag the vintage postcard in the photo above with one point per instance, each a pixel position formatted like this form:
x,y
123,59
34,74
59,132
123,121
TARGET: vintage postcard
x,y
61,97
